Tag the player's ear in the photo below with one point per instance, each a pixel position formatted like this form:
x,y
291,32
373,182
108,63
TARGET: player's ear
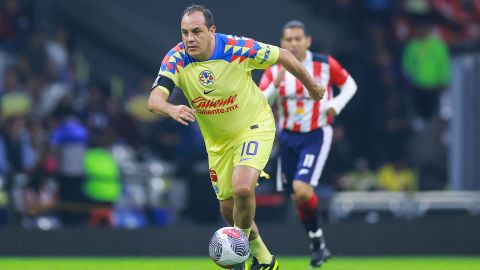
x,y
309,41
213,29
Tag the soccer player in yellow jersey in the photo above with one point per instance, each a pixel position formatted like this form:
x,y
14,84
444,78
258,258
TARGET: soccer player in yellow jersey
x,y
214,72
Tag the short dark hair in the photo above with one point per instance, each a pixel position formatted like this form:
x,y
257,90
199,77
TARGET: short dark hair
x,y
207,14
295,24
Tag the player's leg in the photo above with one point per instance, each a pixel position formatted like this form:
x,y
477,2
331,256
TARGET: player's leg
x,y
239,210
314,152
243,184
221,171
297,156
244,180
306,202
288,159
258,248
251,155
226,209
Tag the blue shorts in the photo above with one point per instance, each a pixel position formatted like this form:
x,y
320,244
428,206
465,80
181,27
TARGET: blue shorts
x,y
302,156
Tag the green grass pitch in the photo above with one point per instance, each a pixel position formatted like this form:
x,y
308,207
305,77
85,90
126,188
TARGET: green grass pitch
x,y
197,263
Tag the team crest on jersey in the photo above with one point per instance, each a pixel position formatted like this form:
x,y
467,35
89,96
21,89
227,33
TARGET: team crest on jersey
x,y
206,78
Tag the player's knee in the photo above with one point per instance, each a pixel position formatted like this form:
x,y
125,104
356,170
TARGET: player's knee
x,y
243,191
302,191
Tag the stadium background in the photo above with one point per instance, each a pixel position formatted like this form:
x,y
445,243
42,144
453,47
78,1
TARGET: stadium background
x,y
74,78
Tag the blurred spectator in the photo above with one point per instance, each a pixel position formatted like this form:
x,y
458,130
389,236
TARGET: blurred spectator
x,y
57,51
4,201
123,125
396,176
95,112
102,185
36,53
14,25
41,196
69,139
17,154
460,22
23,69
362,178
14,100
49,93
426,63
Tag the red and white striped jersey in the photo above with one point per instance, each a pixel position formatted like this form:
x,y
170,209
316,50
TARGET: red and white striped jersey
x,y
297,112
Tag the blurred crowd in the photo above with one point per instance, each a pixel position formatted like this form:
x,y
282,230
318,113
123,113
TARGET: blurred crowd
x,y
73,150
394,134
77,150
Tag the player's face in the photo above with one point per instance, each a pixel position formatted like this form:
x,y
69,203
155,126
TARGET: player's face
x,y
295,40
198,39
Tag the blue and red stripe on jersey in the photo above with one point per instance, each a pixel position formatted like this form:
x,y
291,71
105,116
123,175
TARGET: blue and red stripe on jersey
x,y
227,47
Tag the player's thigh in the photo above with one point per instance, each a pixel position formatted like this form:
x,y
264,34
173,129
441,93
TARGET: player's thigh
x,y
253,149
221,170
288,157
313,156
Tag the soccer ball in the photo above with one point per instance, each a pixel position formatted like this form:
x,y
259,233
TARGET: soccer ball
x,y
229,247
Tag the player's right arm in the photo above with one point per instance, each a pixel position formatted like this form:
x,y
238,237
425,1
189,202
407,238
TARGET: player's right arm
x,y
157,103
167,79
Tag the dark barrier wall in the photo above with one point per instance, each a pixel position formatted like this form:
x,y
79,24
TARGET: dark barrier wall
x,y
434,236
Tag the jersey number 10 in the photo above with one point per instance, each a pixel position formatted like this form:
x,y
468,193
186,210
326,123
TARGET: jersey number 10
x,y
250,148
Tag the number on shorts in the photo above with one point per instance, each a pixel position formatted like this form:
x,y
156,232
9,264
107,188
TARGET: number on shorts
x,y
308,161
250,148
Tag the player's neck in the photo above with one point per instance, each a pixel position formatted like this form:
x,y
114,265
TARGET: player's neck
x,y
302,57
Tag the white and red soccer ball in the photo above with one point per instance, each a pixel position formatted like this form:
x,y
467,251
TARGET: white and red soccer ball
x,y
229,247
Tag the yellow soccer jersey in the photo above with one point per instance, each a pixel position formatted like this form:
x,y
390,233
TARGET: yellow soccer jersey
x,y
221,90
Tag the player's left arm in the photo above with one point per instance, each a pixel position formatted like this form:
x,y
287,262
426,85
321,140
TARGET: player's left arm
x,y
344,81
268,55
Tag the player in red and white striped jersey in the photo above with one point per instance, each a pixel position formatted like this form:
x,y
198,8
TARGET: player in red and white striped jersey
x,y
306,135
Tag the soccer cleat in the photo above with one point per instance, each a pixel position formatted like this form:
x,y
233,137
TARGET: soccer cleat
x,y
273,265
320,253
245,265
254,263
242,266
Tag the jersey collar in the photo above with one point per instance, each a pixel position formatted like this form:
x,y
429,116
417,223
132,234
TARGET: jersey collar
x,y
308,57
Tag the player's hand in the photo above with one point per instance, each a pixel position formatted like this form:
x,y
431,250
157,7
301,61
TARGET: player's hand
x,y
182,114
279,78
331,112
316,92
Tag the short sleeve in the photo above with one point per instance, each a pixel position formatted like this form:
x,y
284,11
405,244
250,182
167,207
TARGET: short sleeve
x,y
265,56
338,75
172,65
